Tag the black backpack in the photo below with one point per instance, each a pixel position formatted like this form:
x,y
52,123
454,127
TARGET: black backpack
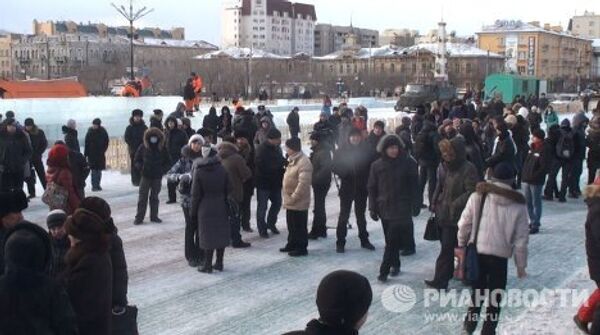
x,y
565,148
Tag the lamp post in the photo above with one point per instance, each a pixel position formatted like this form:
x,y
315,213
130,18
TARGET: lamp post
x,y
131,16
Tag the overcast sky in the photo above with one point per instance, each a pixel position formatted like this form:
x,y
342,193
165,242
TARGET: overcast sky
x,y
201,18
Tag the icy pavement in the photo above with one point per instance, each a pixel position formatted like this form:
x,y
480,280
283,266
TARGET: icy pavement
x,y
263,291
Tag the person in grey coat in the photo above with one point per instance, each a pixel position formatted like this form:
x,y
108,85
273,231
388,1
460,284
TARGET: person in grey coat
x,y
210,189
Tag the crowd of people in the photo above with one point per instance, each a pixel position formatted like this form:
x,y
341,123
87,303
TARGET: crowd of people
x,y
482,171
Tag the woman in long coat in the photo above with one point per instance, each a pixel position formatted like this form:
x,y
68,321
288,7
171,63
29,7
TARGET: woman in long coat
x,y
210,189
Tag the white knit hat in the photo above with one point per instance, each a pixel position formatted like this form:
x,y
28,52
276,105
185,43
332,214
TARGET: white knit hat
x,y
196,138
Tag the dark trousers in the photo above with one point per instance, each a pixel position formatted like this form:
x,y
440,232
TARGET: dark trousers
x,y
38,167
428,175
172,191
492,276
192,247
234,222
96,178
551,189
245,211
319,224
360,207
592,168
136,175
263,198
152,187
297,224
566,179
444,266
12,180
576,172
208,257
397,233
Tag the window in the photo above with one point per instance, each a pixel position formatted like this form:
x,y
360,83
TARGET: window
x,y
469,68
392,68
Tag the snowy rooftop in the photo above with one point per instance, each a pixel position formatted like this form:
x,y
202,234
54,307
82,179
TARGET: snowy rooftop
x,y
177,43
596,43
453,49
507,26
235,52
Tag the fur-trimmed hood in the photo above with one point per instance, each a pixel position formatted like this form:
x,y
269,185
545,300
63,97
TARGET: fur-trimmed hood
x,y
227,149
154,132
388,141
592,191
502,190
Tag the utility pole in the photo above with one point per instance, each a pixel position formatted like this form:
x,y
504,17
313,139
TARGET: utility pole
x,y
131,16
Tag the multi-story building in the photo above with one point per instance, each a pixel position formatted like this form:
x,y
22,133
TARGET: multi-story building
x,y
329,38
277,26
96,60
596,60
398,37
586,25
545,52
6,60
51,28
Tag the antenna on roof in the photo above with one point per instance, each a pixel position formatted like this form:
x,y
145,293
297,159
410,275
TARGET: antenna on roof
x,y
442,13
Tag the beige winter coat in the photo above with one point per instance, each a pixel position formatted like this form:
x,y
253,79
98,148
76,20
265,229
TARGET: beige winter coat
x,y
504,227
297,182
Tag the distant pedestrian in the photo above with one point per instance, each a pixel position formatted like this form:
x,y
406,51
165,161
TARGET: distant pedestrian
x,y
96,145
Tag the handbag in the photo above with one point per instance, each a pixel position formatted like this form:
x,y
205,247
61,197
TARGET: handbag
x,y
471,254
432,230
55,196
125,323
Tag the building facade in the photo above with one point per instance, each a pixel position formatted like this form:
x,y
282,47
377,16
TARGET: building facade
x,y
6,59
398,37
596,60
51,28
329,38
277,26
545,52
380,71
586,25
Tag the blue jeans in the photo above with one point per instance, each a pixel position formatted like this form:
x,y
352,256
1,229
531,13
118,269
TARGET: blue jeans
x,y
263,197
533,194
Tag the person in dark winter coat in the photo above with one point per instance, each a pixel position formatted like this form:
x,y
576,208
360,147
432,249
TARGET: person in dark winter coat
x,y
505,149
426,153
39,145
246,124
588,311
153,160
270,166
11,213
120,277
89,272
175,139
580,123
321,183
293,122
496,107
534,118
459,183
15,152
351,162
520,135
71,136
551,190
189,94
179,112
266,124
30,301
566,163
374,137
593,144
156,119
417,122
326,130
187,127
134,137
394,198
210,190
343,301
403,131
247,152
238,173
80,170
536,166
225,127
59,240
96,145
473,150
181,174
211,121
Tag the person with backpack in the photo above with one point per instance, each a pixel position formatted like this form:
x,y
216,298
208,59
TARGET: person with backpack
x,y
495,222
565,150
535,168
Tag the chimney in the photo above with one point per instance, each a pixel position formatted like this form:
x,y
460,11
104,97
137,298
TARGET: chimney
x,y
547,26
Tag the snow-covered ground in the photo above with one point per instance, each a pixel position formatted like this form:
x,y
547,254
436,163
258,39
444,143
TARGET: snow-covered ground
x,y
263,291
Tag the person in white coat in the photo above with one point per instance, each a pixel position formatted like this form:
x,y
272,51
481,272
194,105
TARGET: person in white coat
x,y
503,231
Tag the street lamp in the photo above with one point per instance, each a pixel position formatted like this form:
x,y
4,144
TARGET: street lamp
x,y
131,16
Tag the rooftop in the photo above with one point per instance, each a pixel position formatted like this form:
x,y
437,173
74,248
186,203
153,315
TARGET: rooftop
x,y
517,26
282,6
176,43
235,52
453,49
